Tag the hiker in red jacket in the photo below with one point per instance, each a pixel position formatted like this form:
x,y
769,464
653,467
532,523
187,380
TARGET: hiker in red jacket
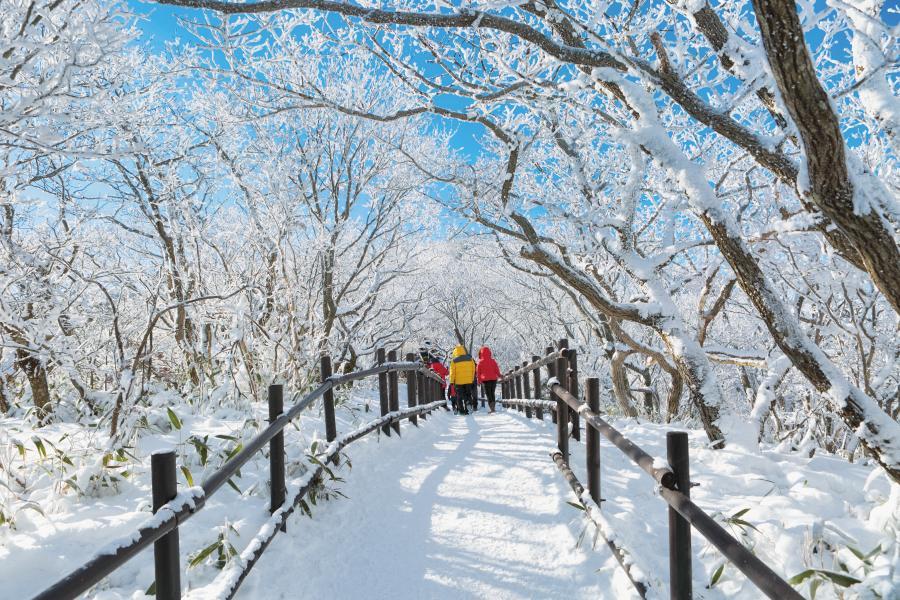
x,y
488,372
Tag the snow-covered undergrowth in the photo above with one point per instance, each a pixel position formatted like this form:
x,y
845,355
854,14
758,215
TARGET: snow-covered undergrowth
x,y
822,523
64,496
830,525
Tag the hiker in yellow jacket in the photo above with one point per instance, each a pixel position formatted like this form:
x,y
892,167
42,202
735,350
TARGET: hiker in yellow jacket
x,y
462,378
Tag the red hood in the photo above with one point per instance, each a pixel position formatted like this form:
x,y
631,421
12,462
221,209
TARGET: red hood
x,y
484,353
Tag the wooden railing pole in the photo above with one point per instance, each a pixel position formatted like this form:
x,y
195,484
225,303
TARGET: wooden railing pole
x,y
394,390
166,559
277,488
411,388
526,384
538,411
592,443
420,391
383,390
328,401
551,373
572,357
680,587
517,381
562,408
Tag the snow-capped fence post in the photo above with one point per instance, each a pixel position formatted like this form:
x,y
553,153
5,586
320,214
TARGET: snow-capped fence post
x,y
572,357
411,389
394,390
328,401
562,409
551,373
517,381
383,391
526,383
504,392
592,441
277,488
165,550
680,587
420,391
538,411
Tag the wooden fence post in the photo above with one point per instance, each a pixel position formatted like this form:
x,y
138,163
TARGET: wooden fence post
x,y
680,586
572,357
383,391
592,442
328,402
277,488
517,381
420,391
394,390
526,384
538,412
551,373
166,560
411,389
562,409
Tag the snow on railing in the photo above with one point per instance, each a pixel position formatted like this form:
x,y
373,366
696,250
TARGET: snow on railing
x,y
171,509
672,476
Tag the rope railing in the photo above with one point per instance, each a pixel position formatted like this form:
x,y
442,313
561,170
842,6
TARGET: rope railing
x,y
172,509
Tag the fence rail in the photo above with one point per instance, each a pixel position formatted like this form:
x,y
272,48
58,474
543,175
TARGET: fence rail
x,y
673,479
424,395
172,509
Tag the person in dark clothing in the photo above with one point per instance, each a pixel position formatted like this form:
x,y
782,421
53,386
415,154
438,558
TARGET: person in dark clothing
x,y
462,377
487,373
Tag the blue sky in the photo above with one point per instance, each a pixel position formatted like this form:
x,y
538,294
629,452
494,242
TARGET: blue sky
x,y
160,25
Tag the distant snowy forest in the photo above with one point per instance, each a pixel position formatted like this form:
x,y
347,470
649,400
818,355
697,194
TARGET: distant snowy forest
x,y
702,197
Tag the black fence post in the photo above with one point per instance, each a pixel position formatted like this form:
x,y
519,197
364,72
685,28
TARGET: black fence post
x,y
551,373
328,402
592,443
420,391
394,390
517,381
166,560
572,357
562,409
526,383
538,411
679,529
277,488
411,388
383,391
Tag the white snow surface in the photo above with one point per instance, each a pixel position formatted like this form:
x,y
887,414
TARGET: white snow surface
x,y
466,507
473,507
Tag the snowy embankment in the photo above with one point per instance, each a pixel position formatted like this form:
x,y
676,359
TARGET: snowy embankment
x,y
461,507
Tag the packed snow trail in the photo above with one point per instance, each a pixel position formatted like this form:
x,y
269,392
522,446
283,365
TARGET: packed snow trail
x,y
464,507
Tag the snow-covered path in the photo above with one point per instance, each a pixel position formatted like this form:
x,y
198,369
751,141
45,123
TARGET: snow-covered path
x,y
465,507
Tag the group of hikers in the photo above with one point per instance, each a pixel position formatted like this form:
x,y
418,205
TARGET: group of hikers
x,y
465,375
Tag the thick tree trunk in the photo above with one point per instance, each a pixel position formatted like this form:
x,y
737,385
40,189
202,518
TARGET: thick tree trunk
x,y
36,374
37,379
621,389
876,429
830,187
